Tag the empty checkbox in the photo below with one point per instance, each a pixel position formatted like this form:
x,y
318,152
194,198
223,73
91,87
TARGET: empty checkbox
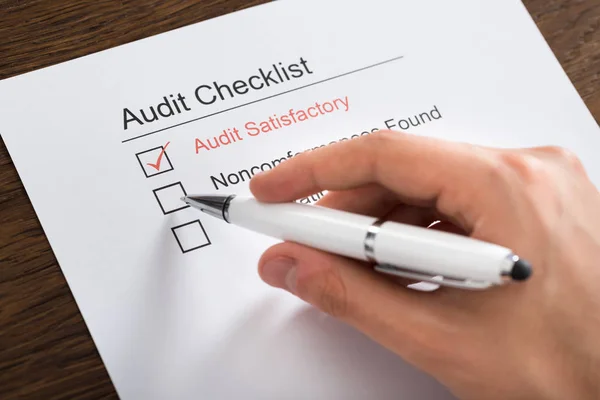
x,y
155,161
169,197
191,236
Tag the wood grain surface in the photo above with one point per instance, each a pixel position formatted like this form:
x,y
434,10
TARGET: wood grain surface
x,y
46,351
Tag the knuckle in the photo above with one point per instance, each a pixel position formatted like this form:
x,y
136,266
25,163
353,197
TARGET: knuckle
x,y
326,290
566,156
334,300
527,167
491,170
382,139
380,145
557,151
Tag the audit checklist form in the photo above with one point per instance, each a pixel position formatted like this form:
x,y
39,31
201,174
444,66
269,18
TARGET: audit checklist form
x,y
108,144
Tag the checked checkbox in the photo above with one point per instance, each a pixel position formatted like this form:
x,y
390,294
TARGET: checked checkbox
x,y
191,236
155,161
169,197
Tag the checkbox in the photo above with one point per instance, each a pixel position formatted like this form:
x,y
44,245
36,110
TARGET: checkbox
x,y
155,161
169,197
191,236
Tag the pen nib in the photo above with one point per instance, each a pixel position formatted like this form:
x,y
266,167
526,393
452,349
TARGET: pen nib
x,y
217,206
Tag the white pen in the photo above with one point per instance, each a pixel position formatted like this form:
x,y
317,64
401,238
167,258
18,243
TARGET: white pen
x,y
397,249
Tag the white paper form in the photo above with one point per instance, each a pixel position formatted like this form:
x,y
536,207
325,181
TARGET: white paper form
x,y
106,144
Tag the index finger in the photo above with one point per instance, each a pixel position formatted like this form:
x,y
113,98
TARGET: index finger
x,y
414,167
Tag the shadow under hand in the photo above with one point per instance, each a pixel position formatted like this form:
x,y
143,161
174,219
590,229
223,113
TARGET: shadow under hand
x,y
308,355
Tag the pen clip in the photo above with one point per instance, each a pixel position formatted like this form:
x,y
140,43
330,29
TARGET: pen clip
x,y
436,279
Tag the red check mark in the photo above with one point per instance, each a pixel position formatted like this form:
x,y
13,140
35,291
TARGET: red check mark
x,y
160,156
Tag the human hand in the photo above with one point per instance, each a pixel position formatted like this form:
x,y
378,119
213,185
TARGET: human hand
x,y
533,340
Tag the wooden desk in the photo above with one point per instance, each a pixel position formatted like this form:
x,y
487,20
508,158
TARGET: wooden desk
x,y
46,351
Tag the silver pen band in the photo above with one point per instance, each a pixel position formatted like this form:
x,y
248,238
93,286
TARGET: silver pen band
x,y
369,242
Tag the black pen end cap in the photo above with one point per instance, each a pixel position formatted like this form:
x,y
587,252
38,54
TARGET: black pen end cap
x,y
521,270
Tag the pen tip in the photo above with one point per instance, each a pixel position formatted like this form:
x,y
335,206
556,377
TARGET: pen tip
x,y
521,270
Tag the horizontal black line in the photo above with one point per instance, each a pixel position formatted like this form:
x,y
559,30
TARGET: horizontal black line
x,y
264,98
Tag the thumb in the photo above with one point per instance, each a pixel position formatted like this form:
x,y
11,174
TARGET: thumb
x,y
410,323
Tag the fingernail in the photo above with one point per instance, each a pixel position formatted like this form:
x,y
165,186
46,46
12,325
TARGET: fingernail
x,y
280,272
